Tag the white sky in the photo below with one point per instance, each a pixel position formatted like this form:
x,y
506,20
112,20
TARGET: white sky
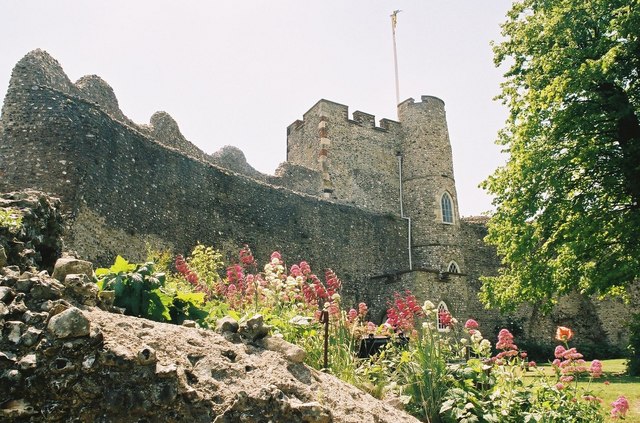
x,y
239,72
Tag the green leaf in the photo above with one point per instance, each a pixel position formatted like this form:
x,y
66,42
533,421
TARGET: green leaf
x,y
196,298
122,266
101,271
157,305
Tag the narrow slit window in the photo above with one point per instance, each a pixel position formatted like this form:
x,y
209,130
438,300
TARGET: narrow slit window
x,y
447,208
453,267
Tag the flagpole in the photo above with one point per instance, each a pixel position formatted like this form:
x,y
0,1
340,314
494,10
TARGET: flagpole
x,y
394,22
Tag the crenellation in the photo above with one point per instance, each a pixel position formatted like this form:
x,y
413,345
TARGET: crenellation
x,y
364,119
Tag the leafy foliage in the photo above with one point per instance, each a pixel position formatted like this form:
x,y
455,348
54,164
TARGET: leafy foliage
x,y
633,363
439,374
139,291
11,219
568,199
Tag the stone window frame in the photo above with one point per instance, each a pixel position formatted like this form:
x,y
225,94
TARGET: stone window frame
x,y
453,267
447,208
442,306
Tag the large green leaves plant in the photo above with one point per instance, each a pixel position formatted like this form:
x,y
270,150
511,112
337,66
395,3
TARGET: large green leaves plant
x,y
138,289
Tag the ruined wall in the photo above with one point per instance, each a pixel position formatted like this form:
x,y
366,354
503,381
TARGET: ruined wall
x,y
120,188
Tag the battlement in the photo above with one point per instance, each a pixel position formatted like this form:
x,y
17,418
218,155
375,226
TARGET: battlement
x,y
337,112
425,100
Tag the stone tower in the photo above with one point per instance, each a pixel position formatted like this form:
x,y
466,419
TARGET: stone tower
x,y
429,189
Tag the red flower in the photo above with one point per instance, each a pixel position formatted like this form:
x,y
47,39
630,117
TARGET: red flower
x,y
471,324
445,318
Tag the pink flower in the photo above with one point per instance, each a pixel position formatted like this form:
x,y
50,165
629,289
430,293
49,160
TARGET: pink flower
x,y
362,309
295,271
505,340
276,255
559,352
471,324
620,407
305,268
352,315
507,353
559,386
246,257
566,379
596,368
532,364
571,354
371,327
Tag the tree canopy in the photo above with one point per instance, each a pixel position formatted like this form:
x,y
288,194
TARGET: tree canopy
x,y
568,199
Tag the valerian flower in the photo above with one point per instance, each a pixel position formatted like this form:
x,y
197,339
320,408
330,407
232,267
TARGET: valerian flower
x,y
471,324
620,407
596,368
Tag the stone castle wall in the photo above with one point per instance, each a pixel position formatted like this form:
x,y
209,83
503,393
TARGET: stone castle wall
x,y
125,186
121,188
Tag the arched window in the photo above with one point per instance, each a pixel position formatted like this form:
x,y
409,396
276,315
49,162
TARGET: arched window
x,y
447,208
444,317
453,267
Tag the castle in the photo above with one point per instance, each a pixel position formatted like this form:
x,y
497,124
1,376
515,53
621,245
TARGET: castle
x,y
377,204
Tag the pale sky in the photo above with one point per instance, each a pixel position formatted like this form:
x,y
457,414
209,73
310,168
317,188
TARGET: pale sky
x,y
239,72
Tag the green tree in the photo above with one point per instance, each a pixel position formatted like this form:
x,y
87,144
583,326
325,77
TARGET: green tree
x,y
567,201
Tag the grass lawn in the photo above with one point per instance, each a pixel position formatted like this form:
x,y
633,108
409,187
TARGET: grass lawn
x,y
618,384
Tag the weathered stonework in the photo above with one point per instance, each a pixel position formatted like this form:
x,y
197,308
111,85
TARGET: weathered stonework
x,y
342,199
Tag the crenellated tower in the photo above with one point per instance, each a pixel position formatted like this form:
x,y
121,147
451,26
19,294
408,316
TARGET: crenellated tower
x,y
428,185
364,164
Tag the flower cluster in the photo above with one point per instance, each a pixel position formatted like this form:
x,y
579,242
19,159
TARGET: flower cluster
x,y
191,276
246,257
402,313
471,324
445,319
620,407
568,363
244,287
360,314
505,343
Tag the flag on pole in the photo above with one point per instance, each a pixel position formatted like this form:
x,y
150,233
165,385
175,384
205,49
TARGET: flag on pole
x,y
394,19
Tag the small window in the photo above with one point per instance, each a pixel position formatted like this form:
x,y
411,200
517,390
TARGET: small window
x,y
447,208
453,267
444,317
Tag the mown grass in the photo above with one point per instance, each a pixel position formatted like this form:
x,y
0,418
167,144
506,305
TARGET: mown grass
x,y
610,386
619,384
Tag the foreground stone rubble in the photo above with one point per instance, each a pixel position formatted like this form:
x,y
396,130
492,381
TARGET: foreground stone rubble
x,y
63,358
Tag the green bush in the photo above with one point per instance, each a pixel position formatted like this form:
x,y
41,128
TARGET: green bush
x,y
633,361
138,289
